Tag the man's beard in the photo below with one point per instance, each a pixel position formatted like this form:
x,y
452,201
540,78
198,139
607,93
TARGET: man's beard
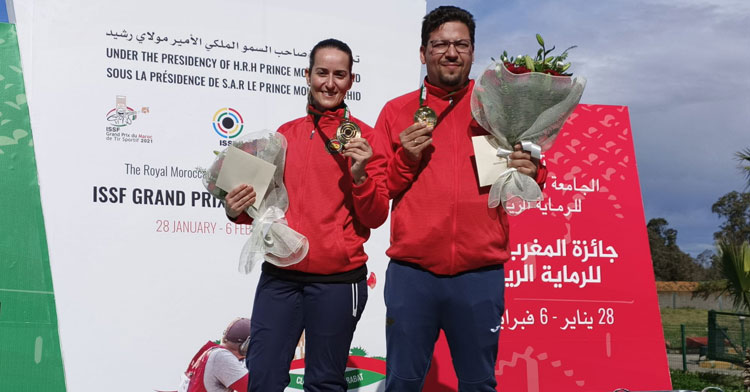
x,y
451,80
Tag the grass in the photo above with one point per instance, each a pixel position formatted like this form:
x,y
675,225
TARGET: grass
x,y
687,316
697,381
695,321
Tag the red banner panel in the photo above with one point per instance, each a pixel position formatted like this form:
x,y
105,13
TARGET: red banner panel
x,y
581,305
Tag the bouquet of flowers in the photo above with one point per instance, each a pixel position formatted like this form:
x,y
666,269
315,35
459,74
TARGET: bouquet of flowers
x,y
525,101
271,238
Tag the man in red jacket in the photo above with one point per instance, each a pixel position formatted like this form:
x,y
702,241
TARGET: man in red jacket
x,y
447,247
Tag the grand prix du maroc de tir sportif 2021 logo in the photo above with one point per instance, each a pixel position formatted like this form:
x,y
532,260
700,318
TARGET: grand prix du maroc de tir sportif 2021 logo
x,y
122,116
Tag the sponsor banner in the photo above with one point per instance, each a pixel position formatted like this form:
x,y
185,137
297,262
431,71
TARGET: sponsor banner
x,y
130,103
581,309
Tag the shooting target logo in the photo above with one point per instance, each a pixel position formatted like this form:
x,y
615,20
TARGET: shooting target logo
x,y
228,123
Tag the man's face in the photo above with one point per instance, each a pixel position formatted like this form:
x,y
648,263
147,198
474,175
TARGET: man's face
x,y
329,79
449,70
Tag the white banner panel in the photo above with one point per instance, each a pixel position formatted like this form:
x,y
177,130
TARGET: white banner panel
x,y
125,98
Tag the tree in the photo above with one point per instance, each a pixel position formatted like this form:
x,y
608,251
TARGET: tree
x,y
734,207
744,158
705,259
660,227
711,262
735,262
670,263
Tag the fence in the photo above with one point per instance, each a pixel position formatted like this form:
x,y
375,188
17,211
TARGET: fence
x,y
727,340
686,346
719,345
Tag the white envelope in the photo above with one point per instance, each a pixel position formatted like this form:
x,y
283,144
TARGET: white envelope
x,y
240,168
489,165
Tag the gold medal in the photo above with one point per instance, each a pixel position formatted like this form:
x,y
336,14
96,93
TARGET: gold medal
x,y
334,146
347,131
425,115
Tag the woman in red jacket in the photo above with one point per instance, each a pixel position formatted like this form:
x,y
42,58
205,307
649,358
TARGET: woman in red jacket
x,y
336,195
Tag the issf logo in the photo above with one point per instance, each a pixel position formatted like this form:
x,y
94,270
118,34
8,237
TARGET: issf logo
x,y
228,124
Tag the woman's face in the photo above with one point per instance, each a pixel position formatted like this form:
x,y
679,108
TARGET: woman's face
x,y
329,79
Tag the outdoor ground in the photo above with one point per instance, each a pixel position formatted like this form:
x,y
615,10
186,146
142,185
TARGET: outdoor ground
x,y
700,373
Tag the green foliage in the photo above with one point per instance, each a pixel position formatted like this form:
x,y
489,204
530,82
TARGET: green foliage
x,y
659,226
744,158
735,262
541,62
697,381
671,263
734,207
709,288
709,260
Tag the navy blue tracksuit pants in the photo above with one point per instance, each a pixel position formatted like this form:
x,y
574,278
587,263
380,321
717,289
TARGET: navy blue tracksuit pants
x,y
468,307
327,312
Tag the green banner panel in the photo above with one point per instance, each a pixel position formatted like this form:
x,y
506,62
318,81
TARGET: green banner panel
x,y
30,358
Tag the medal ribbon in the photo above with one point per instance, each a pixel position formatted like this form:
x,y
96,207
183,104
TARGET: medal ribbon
x,y
345,118
423,95
310,110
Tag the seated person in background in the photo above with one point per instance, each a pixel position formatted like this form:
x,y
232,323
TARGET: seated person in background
x,y
220,367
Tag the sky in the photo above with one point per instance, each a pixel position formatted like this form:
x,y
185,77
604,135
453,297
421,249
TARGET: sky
x,y
681,66
3,12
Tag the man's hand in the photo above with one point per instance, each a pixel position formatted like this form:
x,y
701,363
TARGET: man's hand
x,y
360,153
415,139
238,200
522,161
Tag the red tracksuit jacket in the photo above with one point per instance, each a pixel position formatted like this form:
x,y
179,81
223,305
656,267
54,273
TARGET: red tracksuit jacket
x,y
324,204
440,218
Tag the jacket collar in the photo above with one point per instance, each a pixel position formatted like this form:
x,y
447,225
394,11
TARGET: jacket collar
x,y
445,95
329,117
338,112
